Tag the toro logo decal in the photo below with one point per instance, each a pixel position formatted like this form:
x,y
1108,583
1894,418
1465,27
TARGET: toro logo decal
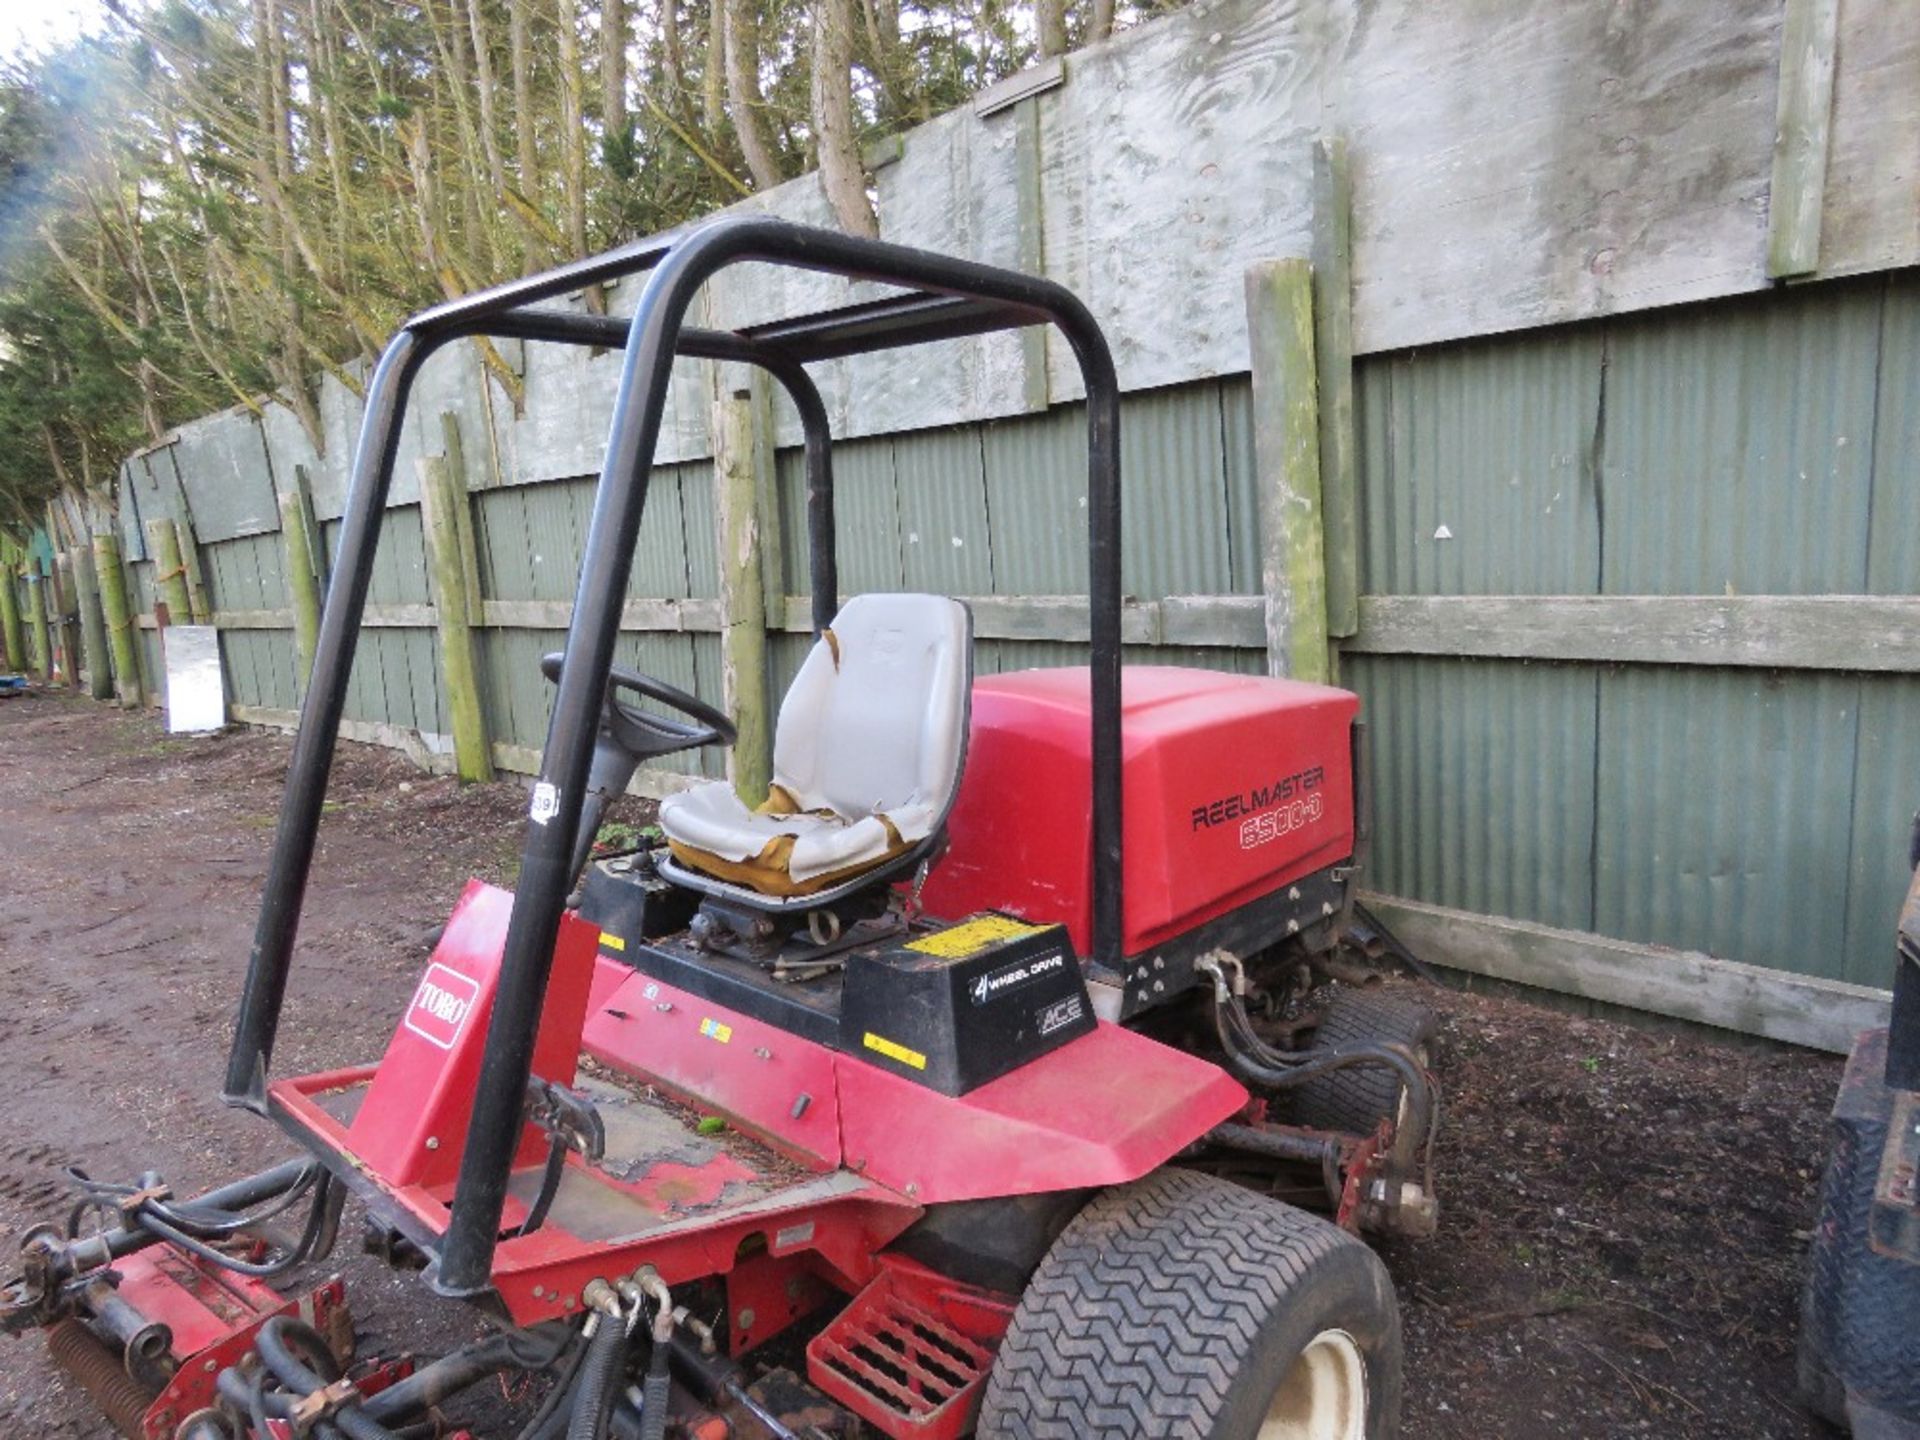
x,y
441,1005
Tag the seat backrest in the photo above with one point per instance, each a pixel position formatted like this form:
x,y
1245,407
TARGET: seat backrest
x,y
875,723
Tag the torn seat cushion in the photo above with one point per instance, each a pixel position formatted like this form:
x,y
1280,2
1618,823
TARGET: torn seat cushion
x,y
800,852
866,754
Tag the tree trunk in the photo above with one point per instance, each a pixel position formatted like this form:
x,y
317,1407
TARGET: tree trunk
x,y
573,141
323,71
744,100
840,168
484,87
712,74
1050,24
613,67
883,49
1102,26
675,53
519,46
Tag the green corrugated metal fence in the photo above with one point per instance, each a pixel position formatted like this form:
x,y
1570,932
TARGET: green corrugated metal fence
x,y
1756,446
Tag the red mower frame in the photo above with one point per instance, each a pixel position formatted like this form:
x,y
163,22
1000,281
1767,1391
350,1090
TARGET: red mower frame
x,y
942,298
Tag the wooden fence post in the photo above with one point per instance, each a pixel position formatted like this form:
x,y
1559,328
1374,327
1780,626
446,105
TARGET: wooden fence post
x,y
303,585
118,615
190,572
11,631
1803,121
93,623
456,611
1333,375
743,596
42,637
61,614
1286,443
169,574
463,514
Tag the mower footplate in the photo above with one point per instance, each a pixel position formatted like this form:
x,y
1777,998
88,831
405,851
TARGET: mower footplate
x,y
661,1166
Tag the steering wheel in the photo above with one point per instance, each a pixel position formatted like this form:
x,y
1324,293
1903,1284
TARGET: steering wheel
x,y
640,732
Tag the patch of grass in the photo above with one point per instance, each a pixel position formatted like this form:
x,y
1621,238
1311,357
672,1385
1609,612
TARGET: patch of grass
x,y
617,835
620,835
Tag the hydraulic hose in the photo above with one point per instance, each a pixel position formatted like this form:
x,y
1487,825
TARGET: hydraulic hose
x,y
1261,1065
656,1394
276,1340
599,1377
551,1407
316,1239
452,1373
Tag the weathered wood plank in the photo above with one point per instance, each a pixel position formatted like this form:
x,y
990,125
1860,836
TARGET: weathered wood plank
x,y
13,635
39,632
253,619
93,620
648,782
1871,206
1797,193
1685,984
443,495
429,750
1286,447
1227,621
1800,632
1333,364
115,609
169,574
400,616
1030,205
699,616
743,607
194,572
303,579
377,617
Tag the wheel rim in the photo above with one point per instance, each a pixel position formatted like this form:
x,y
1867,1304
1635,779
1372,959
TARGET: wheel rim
x,y
1324,1396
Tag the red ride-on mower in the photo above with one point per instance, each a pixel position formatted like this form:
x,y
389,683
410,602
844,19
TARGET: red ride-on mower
x,y
970,1084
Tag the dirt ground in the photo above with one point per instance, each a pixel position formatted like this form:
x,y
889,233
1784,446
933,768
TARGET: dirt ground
x,y
1625,1211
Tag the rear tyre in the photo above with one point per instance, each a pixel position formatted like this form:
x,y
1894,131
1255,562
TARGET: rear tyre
x,y
1859,1357
1355,1100
1186,1308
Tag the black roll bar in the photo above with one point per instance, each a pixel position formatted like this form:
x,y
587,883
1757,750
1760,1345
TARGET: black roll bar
x,y
943,298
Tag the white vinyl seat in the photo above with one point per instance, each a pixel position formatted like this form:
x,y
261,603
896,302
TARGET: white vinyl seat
x,y
867,755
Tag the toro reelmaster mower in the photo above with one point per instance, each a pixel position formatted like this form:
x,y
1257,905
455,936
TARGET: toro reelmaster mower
x,y
971,1084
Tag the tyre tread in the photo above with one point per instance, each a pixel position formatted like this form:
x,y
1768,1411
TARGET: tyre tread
x,y
1354,1101
1142,1313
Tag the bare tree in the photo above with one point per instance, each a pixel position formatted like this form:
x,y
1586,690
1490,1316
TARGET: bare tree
x,y
745,103
526,132
1050,26
840,169
613,66
713,94
484,91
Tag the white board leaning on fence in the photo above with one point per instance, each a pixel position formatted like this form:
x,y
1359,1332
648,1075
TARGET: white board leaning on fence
x,y
196,686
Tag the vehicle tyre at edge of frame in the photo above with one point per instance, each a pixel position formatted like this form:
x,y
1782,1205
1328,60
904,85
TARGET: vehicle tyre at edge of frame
x,y
1355,1100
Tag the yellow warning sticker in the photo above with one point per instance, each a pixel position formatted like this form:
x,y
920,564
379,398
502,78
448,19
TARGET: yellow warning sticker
x,y
970,937
610,941
894,1050
714,1030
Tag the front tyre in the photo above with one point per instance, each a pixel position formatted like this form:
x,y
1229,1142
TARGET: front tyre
x,y
1184,1307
